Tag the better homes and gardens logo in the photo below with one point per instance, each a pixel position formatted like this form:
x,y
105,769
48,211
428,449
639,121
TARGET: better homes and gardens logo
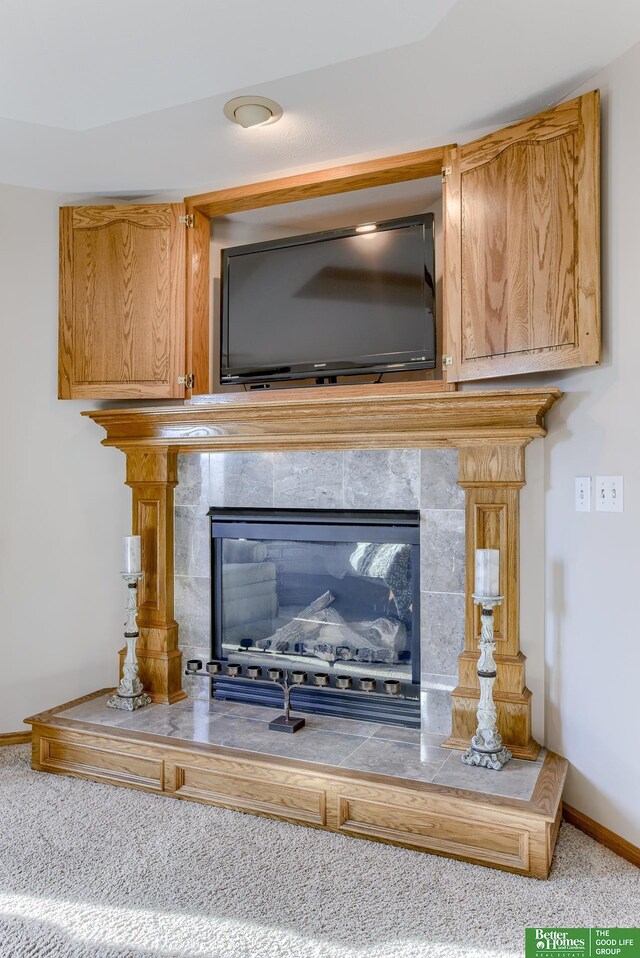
x,y
582,942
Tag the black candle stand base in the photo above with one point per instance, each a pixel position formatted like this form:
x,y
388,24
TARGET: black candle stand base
x,y
286,724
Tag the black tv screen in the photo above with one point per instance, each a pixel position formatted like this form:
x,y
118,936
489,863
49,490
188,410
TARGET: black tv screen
x,y
328,304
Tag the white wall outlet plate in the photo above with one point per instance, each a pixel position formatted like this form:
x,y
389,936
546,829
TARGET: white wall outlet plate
x,y
609,494
583,493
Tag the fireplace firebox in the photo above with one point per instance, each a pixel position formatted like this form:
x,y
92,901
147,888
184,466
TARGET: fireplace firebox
x,y
335,594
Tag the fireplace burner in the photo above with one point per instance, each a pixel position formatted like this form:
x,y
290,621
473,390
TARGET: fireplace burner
x,y
320,592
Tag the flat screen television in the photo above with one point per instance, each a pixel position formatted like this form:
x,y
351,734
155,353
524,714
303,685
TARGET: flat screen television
x,y
330,304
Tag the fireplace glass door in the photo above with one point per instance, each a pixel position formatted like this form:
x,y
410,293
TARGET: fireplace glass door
x,y
334,592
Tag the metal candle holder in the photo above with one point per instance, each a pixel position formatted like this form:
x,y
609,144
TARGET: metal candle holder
x,y
486,747
130,694
288,680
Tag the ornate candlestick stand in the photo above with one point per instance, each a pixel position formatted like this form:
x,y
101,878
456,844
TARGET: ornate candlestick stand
x,y
130,694
486,747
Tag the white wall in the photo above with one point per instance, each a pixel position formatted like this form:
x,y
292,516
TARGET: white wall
x,y
63,505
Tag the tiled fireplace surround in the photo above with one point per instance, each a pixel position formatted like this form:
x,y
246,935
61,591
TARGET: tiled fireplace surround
x,y
359,479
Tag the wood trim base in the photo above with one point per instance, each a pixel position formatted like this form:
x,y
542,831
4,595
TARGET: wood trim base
x,y
510,834
15,738
602,834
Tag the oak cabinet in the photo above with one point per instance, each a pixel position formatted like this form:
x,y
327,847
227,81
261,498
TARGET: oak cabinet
x,y
126,307
521,271
522,246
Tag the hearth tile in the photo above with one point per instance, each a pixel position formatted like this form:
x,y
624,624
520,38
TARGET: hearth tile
x,y
396,733
441,631
308,480
435,710
442,551
325,723
193,611
192,542
166,720
310,745
95,712
516,780
241,479
439,473
382,479
196,687
193,480
401,759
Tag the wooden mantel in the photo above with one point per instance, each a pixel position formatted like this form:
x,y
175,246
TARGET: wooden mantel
x,y
490,430
398,415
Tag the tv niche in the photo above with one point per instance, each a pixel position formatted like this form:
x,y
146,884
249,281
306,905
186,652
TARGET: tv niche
x,y
334,594
335,303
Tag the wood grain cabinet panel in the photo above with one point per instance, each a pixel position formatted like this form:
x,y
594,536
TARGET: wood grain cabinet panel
x,y
292,801
101,762
500,845
122,327
522,238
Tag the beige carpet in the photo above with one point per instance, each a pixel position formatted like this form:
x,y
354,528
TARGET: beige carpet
x,y
93,871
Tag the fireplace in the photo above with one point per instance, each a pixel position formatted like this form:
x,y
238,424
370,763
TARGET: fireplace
x,y
335,593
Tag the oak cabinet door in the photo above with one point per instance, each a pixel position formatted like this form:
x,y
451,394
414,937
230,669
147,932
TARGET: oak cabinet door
x,y
122,302
522,246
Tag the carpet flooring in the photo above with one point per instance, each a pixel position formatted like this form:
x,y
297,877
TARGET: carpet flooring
x,y
93,871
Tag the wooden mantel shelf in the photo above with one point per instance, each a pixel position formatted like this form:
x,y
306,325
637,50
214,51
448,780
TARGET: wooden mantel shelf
x,y
405,415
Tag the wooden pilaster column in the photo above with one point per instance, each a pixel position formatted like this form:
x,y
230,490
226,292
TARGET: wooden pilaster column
x,y
492,476
152,476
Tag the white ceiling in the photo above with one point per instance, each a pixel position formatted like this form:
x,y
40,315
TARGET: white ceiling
x,y
84,63
126,97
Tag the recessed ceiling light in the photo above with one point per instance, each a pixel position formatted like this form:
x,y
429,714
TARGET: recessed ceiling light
x,y
252,111
367,228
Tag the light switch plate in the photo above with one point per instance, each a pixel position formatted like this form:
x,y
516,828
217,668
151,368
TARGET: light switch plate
x,y
609,494
583,493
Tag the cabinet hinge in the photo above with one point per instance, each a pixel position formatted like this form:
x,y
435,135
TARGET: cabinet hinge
x,y
447,361
188,220
188,381
446,171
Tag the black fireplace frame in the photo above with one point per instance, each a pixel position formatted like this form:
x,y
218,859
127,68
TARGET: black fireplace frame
x,y
342,525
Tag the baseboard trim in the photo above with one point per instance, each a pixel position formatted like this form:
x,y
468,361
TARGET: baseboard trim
x,y
15,738
601,834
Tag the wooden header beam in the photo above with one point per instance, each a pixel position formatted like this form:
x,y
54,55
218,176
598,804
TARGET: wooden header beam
x,y
306,186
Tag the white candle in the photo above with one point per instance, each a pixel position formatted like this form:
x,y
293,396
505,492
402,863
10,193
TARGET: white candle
x,y
487,572
131,563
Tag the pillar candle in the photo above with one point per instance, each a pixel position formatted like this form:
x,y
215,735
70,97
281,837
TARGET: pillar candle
x,y
487,572
131,555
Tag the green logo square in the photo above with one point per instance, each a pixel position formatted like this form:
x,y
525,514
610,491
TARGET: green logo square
x,y
582,942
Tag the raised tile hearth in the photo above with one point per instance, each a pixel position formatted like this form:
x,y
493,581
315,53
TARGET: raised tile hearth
x,y
337,742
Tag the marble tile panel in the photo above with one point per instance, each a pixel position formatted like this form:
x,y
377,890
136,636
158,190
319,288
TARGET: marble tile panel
x,y
382,479
327,723
193,480
401,759
308,480
442,550
516,780
195,686
95,712
396,733
192,555
439,488
435,710
192,726
310,745
240,479
441,631
193,611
